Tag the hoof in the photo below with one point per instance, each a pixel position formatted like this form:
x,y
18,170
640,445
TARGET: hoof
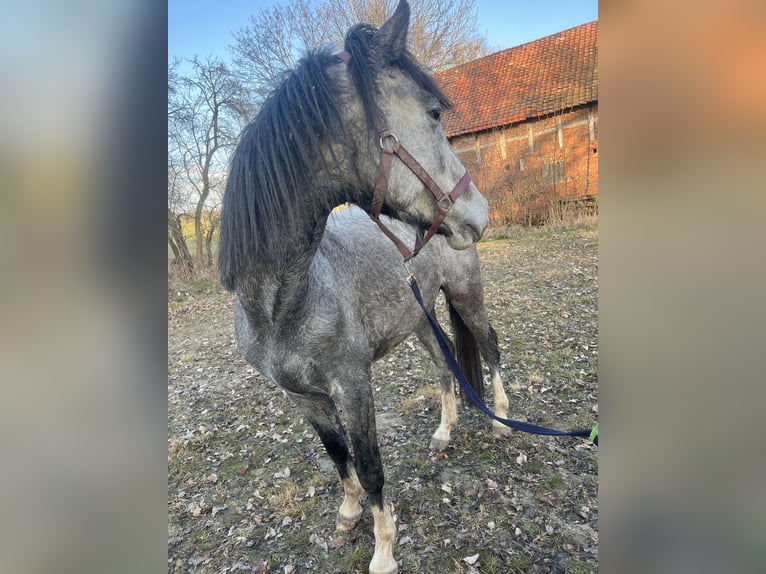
x,y
501,431
438,445
346,523
388,566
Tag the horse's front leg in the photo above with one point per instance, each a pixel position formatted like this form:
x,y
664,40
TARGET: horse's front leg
x,y
358,404
350,510
321,412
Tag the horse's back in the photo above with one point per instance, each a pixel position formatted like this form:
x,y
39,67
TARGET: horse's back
x,y
355,250
357,253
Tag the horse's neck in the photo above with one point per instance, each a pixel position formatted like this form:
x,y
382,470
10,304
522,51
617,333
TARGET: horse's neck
x,y
278,285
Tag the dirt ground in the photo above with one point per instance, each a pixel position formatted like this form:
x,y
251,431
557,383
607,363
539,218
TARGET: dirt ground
x,y
250,488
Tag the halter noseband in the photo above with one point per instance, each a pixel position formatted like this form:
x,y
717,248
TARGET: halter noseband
x,y
390,146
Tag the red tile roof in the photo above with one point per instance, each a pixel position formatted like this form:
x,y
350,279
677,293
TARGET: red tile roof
x,y
550,74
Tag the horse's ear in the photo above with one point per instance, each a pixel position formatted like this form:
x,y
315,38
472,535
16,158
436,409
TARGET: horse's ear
x,y
390,42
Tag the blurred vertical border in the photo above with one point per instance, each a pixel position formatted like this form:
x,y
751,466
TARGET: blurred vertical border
x,y
682,278
83,405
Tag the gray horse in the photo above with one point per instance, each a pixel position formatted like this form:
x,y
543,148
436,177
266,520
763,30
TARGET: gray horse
x,y
320,296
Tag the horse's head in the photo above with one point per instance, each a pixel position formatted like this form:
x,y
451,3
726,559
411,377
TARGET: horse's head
x,y
393,93
325,129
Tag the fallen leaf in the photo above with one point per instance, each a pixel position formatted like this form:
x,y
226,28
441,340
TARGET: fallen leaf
x,y
471,560
337,542
198,559
283,474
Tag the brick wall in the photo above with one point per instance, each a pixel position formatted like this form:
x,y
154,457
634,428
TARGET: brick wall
x,y
529,170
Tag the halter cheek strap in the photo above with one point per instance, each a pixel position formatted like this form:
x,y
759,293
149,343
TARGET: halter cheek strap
x,y
390,146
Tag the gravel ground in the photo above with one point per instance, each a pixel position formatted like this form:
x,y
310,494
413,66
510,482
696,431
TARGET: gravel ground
x,y
251,490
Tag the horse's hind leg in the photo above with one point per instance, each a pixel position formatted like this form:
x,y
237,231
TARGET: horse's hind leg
x,y
321,412
487,341
500,399
441,437
468,301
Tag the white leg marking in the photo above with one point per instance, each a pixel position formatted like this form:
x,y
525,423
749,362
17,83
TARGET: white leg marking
x,y
350,510
501,407
441,437
385,533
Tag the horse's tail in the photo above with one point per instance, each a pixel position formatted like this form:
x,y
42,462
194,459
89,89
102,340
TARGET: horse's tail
x,y
467,352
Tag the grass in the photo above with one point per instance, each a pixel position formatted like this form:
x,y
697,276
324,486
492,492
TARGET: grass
x,y
181,292
578,567
425,397
498,237
288,499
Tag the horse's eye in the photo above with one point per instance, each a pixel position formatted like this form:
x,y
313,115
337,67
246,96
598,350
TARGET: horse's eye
x,y
436,114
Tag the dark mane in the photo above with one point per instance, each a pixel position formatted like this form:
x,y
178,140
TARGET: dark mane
x,y
273,165
280,153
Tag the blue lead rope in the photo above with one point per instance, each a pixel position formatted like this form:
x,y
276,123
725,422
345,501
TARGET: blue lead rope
x,y
522,426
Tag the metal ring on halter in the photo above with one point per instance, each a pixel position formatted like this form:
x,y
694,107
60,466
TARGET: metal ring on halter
x,y
385,137
445,202
408,268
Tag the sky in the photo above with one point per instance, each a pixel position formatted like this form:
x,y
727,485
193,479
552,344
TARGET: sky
x,y
205,27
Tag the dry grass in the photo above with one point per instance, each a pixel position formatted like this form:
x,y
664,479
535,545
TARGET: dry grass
x,y
566,221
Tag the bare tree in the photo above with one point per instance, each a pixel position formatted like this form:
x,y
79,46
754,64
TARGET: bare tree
x,y
214,220
204,118
182,259
264,49
443,33
177,200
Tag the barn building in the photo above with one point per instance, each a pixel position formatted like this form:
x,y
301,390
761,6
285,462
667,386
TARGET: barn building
x,y
525,123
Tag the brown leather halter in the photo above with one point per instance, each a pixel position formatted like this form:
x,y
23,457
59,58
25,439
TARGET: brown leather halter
x,y
390,146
